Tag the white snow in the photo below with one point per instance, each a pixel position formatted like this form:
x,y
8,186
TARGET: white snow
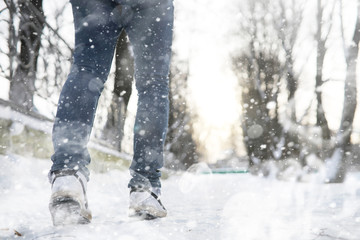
x,y
201,206
20,120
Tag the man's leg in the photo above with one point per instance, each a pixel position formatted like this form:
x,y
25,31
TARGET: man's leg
x,y
95,38
150,33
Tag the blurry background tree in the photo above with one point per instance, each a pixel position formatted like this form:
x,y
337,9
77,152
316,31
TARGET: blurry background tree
x,y
180,147
113,131
23,76
336,164
288,16
324,25
273,129
35,52
261,74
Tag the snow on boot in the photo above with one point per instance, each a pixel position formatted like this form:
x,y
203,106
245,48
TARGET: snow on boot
x,y
68,202
146,204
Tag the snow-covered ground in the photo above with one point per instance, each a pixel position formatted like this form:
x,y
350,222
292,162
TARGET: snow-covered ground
x,y
201,206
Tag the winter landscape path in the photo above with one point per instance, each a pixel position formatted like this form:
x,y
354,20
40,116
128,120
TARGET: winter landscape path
x,y
201,206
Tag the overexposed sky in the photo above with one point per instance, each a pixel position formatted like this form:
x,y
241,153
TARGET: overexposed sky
x,y
202,29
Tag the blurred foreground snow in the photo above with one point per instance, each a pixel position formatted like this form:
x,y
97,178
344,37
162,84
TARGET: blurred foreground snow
x,y
201,206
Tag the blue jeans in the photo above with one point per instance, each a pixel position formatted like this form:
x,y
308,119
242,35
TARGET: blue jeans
x,y
98,24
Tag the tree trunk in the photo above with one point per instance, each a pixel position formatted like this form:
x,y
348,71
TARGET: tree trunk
x,y
291,140
22,85
124,73
12,39
336,169
181,150
288,29
321,120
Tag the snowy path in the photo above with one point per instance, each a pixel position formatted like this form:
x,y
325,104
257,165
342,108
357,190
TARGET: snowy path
x,y
232,206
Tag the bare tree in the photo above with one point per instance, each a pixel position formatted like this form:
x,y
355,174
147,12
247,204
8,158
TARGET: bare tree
x,y
22,83
180,148
336,168
322,36
124,73
55,55
259,72
38,56
272,29
287,25
12,39
287,21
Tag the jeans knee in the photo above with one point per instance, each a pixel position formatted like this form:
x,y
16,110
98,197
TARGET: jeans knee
x,y
86,78
152,84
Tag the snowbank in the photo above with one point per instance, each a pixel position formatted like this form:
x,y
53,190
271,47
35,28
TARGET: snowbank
x,y
29,134
201,206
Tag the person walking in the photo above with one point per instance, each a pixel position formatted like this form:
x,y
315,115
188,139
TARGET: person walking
x,y
98,24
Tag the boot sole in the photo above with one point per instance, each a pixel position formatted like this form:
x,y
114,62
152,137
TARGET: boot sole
x,y
142,215
146,214
67,211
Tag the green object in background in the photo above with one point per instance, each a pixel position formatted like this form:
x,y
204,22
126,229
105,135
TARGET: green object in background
x,y
226,171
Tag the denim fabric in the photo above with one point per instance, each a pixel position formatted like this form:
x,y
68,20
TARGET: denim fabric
x,y
98,24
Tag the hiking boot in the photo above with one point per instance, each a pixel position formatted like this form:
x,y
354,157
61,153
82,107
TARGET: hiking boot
x,y
68,202
146,204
